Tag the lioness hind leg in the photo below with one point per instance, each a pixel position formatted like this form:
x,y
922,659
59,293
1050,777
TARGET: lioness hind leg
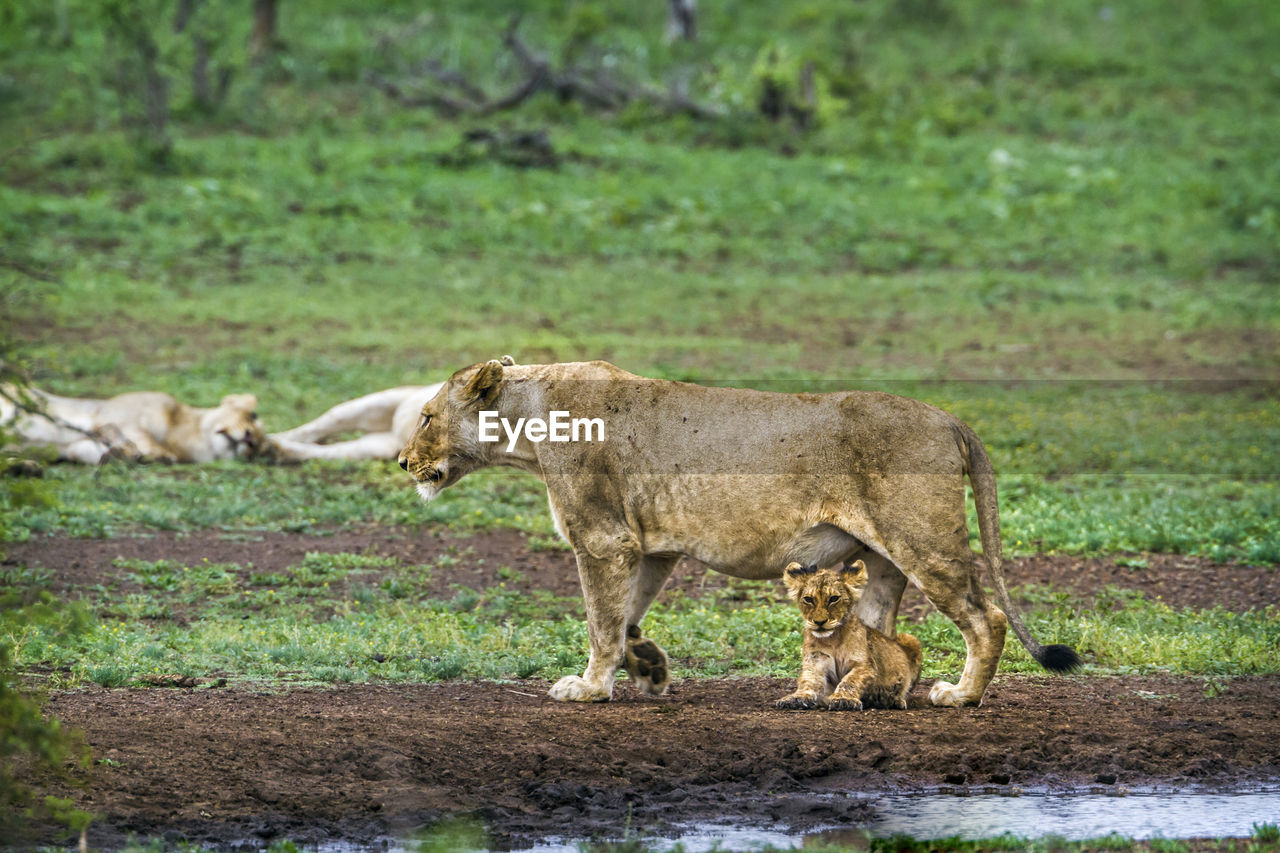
x,y
952,585
646,662
370,413
878,606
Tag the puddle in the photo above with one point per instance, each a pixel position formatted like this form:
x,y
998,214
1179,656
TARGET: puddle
x,y
1071,816
1074,816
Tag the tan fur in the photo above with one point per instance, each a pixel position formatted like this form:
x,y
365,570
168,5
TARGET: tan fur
x,y
744,481
141,426
387,419
846,665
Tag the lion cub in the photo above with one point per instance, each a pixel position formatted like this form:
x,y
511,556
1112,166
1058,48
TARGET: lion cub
x,y
846,664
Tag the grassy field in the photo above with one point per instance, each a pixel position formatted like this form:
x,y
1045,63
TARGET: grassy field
x,y
1058,221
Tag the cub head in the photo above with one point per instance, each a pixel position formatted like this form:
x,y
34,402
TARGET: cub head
x,y
826,597
445,445
233,430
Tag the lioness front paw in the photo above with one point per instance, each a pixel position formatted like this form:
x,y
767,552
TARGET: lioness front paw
x,y
647,664
843,703
948,694
574,688
799,702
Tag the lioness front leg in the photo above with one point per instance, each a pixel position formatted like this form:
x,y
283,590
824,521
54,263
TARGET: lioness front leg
x,y
811,686
606,589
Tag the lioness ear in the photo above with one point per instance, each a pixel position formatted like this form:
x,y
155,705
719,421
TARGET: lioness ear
x,y
248,402
484,385
507,361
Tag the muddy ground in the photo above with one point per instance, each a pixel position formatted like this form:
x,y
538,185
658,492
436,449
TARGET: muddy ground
x,y
357,763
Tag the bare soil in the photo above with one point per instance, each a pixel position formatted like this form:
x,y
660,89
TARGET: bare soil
x,y
357,763
224,766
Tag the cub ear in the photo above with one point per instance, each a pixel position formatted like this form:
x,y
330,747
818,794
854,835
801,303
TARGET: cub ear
x,y
794,574
854,574
484,385
507,361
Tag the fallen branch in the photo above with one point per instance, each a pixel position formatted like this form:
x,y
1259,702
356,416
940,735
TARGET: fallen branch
x,y
453,95
28,270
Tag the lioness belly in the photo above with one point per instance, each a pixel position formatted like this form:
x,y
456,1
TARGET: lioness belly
x,y
760,554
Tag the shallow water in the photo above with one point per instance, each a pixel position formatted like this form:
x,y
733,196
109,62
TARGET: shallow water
x,y
1071,816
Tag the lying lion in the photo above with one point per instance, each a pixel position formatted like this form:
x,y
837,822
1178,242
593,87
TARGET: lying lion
x,y
744,481
387,419
846,665
141,426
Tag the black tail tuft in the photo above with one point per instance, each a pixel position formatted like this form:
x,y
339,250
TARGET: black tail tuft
x,y
1059,658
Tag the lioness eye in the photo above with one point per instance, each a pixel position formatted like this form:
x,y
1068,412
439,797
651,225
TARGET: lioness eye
x,y
426,419
833,599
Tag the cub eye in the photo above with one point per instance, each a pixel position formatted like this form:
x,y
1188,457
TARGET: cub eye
x,y
833,599
808,599
426,419
253,416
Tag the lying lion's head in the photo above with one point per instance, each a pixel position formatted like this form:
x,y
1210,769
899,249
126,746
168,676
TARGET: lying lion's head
x,y
233,430
825,596
445,445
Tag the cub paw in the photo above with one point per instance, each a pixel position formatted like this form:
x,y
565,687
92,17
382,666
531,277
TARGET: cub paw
x,y
799,702
948,694
647,663
844,703
574,688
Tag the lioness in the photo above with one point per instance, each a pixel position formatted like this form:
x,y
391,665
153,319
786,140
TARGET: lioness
x,y
744,481
845,664
142,426
387,418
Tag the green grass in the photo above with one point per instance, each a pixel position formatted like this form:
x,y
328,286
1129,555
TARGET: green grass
x,y
335,618
1060,225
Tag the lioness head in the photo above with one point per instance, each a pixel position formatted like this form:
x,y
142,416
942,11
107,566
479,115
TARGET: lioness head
x,y
825,596
445,446
233,429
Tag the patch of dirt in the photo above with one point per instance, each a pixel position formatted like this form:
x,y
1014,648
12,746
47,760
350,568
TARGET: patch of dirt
x,y
1177,580
222,766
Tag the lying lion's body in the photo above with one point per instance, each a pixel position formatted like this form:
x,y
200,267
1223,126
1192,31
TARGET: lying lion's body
x,y
387,419
144,426
846,665
744,481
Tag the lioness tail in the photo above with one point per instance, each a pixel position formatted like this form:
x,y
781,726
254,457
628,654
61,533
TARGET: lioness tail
x,y
1056,657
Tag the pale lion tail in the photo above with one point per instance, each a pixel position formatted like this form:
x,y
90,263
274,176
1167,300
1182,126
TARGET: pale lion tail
x,y
1056,657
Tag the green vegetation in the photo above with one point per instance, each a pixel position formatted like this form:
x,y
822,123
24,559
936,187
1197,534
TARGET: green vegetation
x,y
1057,221
351,618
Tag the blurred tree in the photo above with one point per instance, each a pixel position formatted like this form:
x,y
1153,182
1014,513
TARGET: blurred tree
x,y
263,39
138,76
682,20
